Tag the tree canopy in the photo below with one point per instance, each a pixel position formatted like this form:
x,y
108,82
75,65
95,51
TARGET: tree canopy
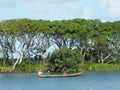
x,y
27,39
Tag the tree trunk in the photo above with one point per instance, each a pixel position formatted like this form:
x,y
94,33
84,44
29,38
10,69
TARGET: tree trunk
x,y
103,59
19,59
4,59
16,62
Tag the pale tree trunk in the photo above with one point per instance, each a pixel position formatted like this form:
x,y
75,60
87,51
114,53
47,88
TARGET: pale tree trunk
x,y
83,52
44,55
103,59
4,55
16,62
20,56
113,59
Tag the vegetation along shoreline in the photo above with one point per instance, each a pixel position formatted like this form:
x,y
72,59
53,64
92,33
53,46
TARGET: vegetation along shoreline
x,y
26,45
86,67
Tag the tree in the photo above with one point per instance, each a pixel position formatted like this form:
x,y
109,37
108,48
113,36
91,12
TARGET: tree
x,y
7,33
65,59
100,42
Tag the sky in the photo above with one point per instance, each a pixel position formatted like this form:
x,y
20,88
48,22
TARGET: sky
x,y
105,10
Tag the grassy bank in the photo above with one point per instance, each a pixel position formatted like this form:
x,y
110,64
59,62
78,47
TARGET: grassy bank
x,y
35,67
101,67
5,69
31,67
23,68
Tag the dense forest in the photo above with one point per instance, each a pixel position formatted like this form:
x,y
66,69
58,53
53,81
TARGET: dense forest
x,y
78,41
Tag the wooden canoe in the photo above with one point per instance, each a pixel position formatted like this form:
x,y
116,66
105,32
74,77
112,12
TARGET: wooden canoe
x,y
61,75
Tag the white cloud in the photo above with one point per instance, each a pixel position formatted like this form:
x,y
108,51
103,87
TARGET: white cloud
x,y
60,9
112,8
87,13
47,9
56,9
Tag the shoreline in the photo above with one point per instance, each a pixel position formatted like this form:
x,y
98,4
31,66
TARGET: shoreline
x,y
101,67
86,67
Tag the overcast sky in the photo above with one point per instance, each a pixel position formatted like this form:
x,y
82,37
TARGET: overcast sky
x,y
105,10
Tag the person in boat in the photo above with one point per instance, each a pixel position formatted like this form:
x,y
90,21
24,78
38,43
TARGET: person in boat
x,y
48,72
64,73
40,73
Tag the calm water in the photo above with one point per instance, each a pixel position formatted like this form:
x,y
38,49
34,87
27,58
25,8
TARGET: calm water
x,y
109,80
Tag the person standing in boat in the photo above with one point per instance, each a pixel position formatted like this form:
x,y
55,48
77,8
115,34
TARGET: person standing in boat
x,y
40,73
48,72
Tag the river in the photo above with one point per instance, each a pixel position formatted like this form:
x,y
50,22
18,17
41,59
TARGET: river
x,y
97,80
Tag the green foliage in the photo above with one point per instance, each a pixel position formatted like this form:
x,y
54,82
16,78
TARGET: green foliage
x,y
100,67
65,60
82,34
31,67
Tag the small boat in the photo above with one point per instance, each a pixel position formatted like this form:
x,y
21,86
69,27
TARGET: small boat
x,y
61,75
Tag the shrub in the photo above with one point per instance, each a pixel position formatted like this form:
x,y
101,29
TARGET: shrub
x,y
65,59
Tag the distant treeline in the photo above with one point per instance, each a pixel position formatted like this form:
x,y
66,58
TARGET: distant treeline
x,y
26,39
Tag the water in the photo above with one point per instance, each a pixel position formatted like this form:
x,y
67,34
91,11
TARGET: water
x,y
98,80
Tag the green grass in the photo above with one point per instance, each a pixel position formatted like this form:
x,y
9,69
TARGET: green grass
x,y
24,67
4,69
101,67
34,67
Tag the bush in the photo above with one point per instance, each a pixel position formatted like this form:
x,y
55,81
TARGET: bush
x,y
65,59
